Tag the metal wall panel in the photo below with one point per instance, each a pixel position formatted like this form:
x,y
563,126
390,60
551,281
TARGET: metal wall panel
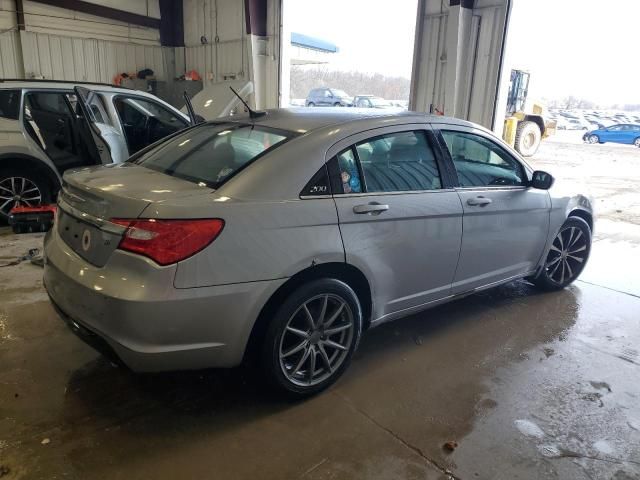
x,y
82,59
225,53
10,61
431,70
485,75
43,18
477,46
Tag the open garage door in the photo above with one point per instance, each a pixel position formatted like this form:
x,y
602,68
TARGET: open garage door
x,y
457,58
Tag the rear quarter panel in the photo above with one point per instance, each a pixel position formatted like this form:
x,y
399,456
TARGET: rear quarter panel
x,y
261,240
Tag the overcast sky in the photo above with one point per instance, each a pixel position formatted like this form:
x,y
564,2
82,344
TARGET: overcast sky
x,y
586,48
372,35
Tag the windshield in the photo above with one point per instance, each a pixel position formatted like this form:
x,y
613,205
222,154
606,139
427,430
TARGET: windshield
x,y
339,93
211,153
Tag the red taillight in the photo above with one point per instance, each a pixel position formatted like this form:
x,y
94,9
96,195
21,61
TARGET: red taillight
x,y
168,241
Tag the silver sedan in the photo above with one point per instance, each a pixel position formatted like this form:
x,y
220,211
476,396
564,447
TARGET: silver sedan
x,y
286,236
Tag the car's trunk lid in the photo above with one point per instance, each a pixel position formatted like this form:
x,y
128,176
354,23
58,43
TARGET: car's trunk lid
x,y
91,197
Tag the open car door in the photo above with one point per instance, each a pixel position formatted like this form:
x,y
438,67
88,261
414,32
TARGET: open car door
x,y
193,118
97,148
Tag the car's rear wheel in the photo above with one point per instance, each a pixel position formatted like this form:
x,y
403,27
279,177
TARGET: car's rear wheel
x,y
593,139
337,104
311,104
567,255
636,142
312,337
21,188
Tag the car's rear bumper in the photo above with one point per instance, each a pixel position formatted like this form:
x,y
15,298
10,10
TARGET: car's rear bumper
x,y
142,320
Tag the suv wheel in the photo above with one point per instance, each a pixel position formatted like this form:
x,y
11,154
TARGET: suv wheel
x,y
312,337
22,188
567,255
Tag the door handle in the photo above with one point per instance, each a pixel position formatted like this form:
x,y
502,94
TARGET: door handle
x,y
479,201
374,208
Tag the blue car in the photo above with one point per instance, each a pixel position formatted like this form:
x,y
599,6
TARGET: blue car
x,y
626,133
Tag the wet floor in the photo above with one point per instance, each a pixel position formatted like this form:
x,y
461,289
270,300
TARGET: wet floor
x,y
527,385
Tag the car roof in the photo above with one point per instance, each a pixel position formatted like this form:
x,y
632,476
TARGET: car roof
x,y
305,120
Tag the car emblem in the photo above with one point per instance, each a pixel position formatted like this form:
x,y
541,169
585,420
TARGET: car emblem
x,y
86,240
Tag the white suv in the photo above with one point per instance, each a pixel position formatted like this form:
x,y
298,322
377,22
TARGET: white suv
x,y
47,127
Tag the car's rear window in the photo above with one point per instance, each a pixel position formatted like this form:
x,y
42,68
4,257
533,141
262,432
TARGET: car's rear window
x,y
10,104
211,153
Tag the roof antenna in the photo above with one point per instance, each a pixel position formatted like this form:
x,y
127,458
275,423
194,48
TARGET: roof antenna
x,y
252,113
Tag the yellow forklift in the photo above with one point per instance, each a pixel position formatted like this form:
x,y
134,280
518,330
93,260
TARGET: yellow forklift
x,y
524,127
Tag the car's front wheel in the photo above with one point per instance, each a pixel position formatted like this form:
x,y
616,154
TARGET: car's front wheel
x,y
567,255
311,104
593,139
312,337
636,142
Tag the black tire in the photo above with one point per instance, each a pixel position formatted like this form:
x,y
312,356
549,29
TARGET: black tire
x,y
593,139
311,104
41,183
277,332
337,104
550,279
636,142
528,138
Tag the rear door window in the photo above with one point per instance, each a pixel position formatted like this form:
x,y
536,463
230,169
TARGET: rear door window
x,y
10,104
398,162
212,153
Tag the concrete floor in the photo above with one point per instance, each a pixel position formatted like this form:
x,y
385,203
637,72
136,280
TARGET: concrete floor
x,y
529,385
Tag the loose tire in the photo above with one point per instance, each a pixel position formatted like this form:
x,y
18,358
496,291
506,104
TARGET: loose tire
x,y
528,137
593,139
567,255
312,337
22,188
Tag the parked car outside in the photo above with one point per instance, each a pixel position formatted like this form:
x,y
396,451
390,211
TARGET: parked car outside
x,y
628,134
371,101
283,237
44,133
328,97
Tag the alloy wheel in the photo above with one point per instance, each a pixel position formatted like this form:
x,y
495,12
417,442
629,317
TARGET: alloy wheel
x,y
637,142
18,191
567,255
316,340
593,139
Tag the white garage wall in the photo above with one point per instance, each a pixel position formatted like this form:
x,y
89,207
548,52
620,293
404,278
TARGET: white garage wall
x,y
62,44
54,20
10,63
83,59
10,59
226,54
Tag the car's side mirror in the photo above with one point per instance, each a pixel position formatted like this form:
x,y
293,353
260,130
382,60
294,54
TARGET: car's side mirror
x,y
542,180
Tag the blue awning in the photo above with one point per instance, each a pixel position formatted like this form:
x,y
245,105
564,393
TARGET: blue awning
x,y
305,41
